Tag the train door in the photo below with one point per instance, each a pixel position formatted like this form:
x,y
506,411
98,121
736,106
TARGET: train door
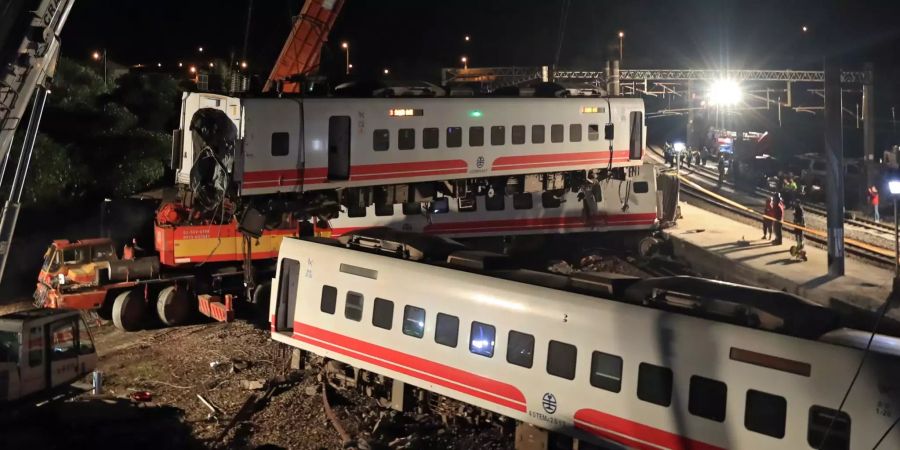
x,y
288,281
636,137
33,375
339,148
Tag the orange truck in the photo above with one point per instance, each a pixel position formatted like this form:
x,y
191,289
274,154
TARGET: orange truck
x,y
196,267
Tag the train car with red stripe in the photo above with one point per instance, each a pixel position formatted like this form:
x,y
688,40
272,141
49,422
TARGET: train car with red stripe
x,y
606,206
308,149
659,363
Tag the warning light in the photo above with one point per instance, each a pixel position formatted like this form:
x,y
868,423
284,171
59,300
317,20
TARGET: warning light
x,y
405,112
476,114
592,109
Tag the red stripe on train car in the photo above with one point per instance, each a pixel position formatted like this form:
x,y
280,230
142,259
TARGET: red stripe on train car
x,y
545,222
408,167
449,377
634,434
287,174
559,159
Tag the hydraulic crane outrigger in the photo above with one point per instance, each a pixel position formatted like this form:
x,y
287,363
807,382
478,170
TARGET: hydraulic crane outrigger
x,y
30,49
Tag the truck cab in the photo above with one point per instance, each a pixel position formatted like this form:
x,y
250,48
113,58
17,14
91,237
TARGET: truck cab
x,y
79,274
43,349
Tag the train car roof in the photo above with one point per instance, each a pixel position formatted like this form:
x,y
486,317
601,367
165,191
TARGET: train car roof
x,y
760,308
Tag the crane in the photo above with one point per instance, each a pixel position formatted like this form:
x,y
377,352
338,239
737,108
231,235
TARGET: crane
x,y
300,54
29,49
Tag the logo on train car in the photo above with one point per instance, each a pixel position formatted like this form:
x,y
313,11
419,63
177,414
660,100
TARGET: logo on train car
x,y
549,403
479,162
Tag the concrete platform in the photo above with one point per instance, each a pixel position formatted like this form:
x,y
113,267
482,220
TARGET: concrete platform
x,y
709,243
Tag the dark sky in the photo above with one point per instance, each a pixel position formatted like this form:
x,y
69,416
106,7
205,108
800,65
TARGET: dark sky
x,y
417,37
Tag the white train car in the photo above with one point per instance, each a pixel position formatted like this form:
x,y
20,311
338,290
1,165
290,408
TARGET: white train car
x,y
308,144
618,205
604,370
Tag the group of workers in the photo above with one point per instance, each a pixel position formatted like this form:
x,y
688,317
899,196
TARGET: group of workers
x,y
774,215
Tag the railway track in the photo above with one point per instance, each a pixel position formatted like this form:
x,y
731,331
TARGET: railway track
x,y
816,208
745,205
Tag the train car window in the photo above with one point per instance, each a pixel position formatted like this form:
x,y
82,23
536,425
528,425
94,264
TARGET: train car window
x,y
549,199
381,140
384,209
765,413
412,208
655,384
353,308
593,132
406,138
430,138
707,398
481,339
523,201
62,335
446,330
606,371
520,349
356,211
383,313
280,144
476,136
413,321
518,134
498,135
635,147
575,132
556,133
495,203
820,420
329,299
454,136
537,134
640,187
561,359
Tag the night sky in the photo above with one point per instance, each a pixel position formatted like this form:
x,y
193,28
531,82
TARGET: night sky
x,y
415,38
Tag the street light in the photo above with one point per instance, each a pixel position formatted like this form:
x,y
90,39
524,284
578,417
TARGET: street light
x,y
465,62
158,64
180,65
200,49
193,69
346,47
243,64
621,45
387,71
97,56
211,64
805,29
467,38
894,187
725,93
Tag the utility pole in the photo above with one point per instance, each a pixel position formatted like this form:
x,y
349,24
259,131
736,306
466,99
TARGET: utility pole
x,y
834,156
869,125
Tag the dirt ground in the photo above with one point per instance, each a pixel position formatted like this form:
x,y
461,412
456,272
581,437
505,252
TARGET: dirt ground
x,y
219,362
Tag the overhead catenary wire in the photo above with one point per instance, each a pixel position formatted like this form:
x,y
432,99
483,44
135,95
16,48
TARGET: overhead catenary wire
x,y
563,17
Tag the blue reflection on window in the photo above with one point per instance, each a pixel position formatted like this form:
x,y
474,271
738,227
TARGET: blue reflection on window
x,y
481,340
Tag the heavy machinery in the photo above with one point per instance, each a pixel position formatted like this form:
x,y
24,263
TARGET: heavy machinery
x,y
29,48
42,350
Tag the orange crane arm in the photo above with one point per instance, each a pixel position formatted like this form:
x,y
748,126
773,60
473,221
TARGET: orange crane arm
x,y
300,54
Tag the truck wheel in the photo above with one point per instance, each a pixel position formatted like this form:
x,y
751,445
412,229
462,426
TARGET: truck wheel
x,y
128,310
173,305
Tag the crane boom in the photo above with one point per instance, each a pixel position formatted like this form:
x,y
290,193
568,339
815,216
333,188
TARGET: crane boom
x,y
29,49
301,51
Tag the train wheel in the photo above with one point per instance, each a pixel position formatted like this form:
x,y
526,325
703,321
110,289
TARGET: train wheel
x,y
128,310
173,305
